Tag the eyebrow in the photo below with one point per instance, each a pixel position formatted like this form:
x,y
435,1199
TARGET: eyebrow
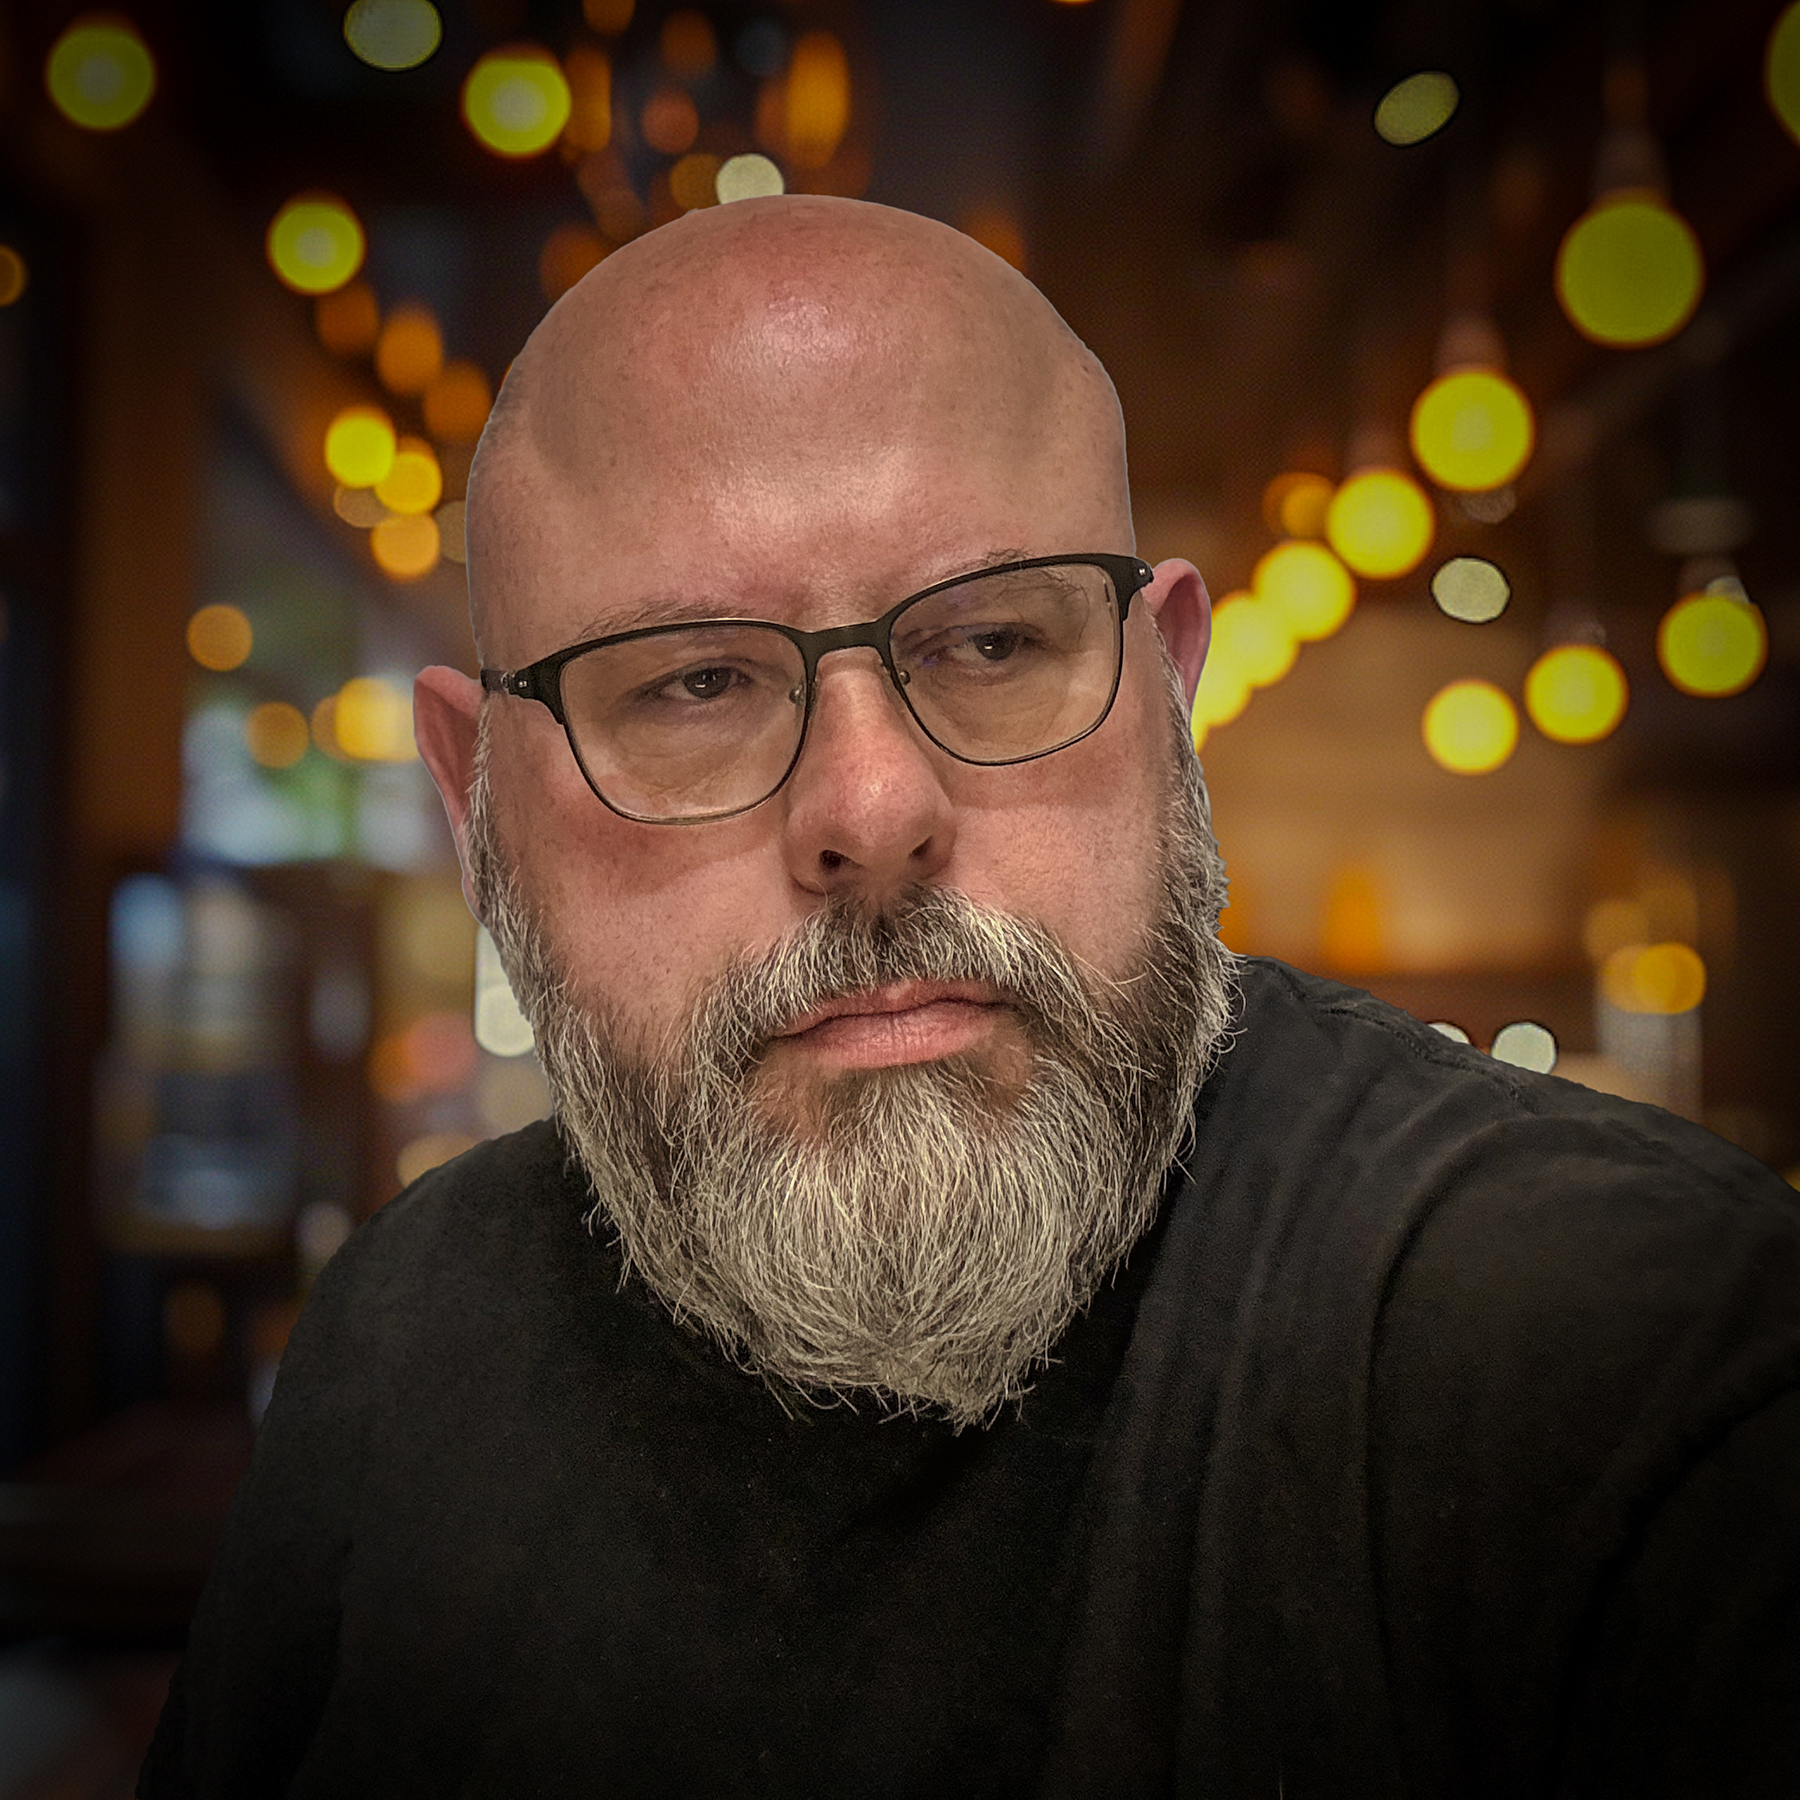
x,y
669,611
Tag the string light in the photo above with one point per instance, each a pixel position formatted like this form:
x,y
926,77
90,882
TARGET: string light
x,y
516,101
1472,430
360,446
393,34
1576,694
100,73
14,276
1294,504
1470,727
1629,271
414,483
315,243
1417,108
817,94
1380,523
1472,589
219,638
1250,633
1307,586
1713,644
749,177
409,353
1654,978
406,546
1781,69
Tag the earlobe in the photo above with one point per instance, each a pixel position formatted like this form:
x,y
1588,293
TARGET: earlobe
x,y
1183,612
446,711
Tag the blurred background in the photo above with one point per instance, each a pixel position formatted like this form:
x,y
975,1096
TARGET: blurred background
x,y
1457,342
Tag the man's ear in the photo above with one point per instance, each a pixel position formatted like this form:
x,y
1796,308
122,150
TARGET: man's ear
x,y
446,707
1179,602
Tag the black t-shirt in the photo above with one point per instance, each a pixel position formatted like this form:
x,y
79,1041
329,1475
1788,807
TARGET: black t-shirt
x,y
1442,1438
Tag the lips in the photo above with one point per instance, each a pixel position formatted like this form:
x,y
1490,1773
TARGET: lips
x,y
901,997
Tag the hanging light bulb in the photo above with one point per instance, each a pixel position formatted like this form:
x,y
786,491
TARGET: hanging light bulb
x,y
1713,643
1381,523
1472,428
1576,693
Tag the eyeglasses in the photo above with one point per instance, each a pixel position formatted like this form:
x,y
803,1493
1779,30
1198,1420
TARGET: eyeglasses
x,y
683,724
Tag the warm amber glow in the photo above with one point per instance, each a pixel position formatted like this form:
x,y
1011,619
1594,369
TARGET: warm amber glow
x,y
409,353
348,321
516,101
694,181
1353,935
995,229
1629,271
432,1151
1380,523
13,275
407,547
1308,587
1417,108
357,506
1612,924
1576,694
219,637
373,718
1251,634
277,734
569,252
688,45
393,34
360,446
452,522
1472,430
590,98
670,121
315,243
1472,589
1470,727
100,73
458,402
817,90
1654,978
749,177
1781,69
1294,504
324,728
608,17
1712,644
435,1054
415,483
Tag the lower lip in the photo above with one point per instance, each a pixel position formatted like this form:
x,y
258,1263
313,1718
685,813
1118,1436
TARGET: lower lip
x,y
870,1040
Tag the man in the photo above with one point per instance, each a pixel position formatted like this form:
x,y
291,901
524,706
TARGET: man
x,y
1015,1347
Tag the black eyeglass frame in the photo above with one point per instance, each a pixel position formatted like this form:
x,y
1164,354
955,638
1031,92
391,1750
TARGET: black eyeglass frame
x,y
542,680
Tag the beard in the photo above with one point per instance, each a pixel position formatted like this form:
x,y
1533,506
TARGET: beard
x,y
918,1233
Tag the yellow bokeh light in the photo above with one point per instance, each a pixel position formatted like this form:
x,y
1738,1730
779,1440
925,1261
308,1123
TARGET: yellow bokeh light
x,y
1576,694
817,93
1381,523
219,637
315,243
516,101
360,446
406,547
569,252
1470,727
1712,644
100,73
348,321
670,121
1251,634
694,181
1472,589
415,483
689,46
1654,978
1629,271
409,353
458,402
277,734
1472,430
589,74
393,34
749,177
1417,108
1223,693
13,275
372,721
1307,586
1295,502
1781,69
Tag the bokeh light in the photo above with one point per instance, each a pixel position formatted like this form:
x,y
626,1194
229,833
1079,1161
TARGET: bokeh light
x,y
372,721
1654,978
1712,644
817,99
1294,504
670,121
409,353
589,74
1629,271
516,101
348,321
277,734
100,73
358,507
1525,1044
360,446
694,181
995,229
569,252
1223,693
688,44
608,17
435,1054
1576,694
414,483
393,34
457,403
1417,108
749,177
1446,1028
1470,727
219,637
1307,586
1781,69
431,1150
1250,633
452,523
1472,589
1472,430
315,243
1381,523
13,275
406,546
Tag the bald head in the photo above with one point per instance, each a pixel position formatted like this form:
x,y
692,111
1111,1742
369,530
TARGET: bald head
x,y
749,353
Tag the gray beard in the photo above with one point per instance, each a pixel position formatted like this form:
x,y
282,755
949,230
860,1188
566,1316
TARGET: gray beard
x,y
921,1233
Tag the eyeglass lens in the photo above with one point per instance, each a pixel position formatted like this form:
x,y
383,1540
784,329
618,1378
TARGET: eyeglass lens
x,y
705,719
